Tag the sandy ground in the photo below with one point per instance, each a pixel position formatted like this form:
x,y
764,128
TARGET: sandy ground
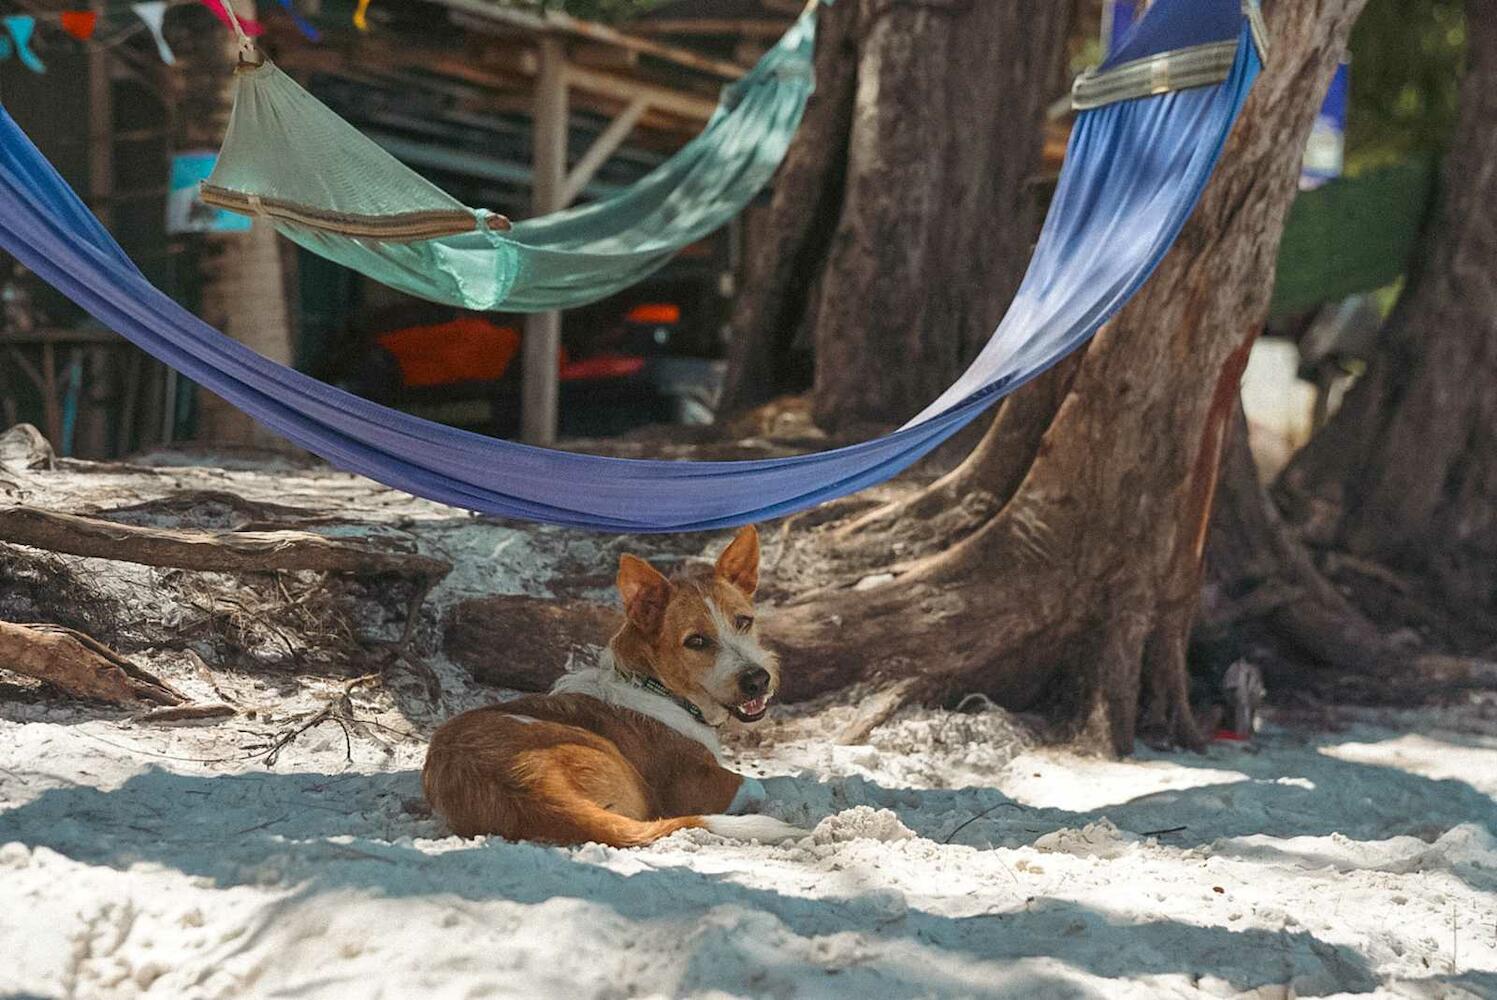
x,y
950,857
1318,865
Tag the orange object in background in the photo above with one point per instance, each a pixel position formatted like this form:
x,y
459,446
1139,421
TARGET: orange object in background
x,y
654,313
467,349
601,367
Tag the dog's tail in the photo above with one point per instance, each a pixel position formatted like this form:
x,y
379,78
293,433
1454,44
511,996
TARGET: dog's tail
x,y
590,821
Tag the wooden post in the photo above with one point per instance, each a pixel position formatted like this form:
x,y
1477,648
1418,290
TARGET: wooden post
x,y
539,390
93,421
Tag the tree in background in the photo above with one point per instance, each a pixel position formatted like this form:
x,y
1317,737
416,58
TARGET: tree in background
x,y
1059,567
1405,57
244,292
901,221
1406,471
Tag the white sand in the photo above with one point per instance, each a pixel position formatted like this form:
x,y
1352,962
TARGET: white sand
x,y
1318,864
1346,864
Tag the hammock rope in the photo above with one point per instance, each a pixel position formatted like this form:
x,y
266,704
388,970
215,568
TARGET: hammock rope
x,y
1134,172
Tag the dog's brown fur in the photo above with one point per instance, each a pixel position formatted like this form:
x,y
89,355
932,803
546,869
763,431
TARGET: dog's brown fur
x,y
570,768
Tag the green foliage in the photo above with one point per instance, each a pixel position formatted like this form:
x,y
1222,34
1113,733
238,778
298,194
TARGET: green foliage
x,y
1406,63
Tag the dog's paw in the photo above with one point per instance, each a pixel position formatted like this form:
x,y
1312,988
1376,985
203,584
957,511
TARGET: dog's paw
x,y
764,829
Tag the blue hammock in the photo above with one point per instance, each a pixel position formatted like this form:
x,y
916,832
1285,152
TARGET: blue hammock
x,y
1135,170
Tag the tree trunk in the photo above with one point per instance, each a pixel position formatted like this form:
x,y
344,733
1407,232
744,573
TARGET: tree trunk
x,y
903,216
1264,587
1406,471
243,290
1077,595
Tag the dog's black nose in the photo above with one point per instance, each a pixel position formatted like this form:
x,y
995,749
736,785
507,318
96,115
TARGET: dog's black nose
x,y
753,682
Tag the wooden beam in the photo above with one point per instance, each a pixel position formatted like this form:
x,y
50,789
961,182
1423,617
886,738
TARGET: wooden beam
x,y
743,27
353,64
540,390
480,11
602,148
605,57
660,98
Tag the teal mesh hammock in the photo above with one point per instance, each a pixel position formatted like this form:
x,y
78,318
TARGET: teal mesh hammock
x,y
289,158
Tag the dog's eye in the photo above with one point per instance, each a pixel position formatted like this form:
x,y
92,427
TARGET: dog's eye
x,y
744,622
697,641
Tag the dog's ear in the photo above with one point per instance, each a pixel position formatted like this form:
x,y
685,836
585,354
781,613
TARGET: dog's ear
x,y
645,593
739,563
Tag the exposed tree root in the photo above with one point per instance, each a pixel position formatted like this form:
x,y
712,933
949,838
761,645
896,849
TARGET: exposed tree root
x,y
1263,574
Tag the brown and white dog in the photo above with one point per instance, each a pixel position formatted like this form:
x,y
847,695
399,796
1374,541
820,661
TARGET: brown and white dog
x,y
626,752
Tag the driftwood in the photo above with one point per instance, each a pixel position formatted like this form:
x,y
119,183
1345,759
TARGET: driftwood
x,y
215,510
79,665
876,711
212,551
524,642
188,713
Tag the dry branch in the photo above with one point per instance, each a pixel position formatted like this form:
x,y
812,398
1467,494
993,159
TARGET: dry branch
x,y
79,665
212,551
188,713
876,711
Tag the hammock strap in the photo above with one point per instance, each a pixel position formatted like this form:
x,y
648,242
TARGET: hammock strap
x,y
1179,69
399,227
1258,27
249,56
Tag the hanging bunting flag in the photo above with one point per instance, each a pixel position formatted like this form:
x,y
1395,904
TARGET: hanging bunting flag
x,y
153,13
310,33
79,23
22,27
361,16
251,27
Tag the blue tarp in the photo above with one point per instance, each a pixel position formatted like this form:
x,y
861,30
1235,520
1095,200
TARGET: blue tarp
x,y
1134,171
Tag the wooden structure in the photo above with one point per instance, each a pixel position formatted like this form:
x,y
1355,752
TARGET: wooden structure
x,y
590,89
100,115
519,111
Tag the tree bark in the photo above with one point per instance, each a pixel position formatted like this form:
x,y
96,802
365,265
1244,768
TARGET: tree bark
x,y
1406,470
243,287
1078,594
903,216
769,311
